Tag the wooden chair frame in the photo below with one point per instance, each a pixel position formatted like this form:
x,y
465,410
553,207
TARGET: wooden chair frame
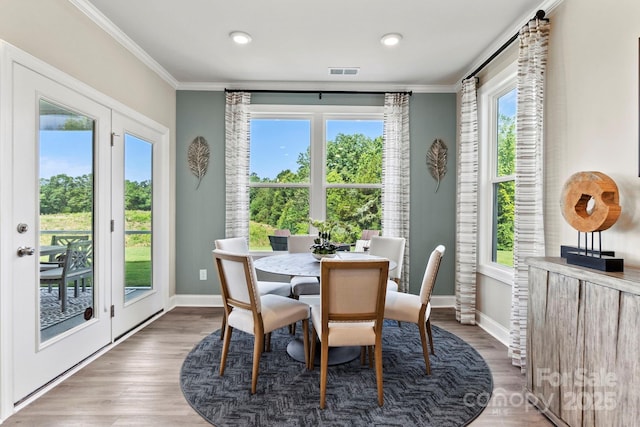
x,y
377,316
231,303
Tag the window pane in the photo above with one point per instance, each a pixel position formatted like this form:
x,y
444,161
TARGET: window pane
x,y
280,150
276,208
506,126
66,219
355,209
504,195
137,204
354,151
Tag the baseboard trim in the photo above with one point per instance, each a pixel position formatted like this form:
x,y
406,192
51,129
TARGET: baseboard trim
x,y
493,328
442,301
437,301
196,301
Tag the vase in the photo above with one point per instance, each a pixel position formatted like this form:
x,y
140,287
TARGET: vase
x,y
320,256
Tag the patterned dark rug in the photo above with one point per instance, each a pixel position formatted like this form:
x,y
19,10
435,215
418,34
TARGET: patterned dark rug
x,y
50,310
455,393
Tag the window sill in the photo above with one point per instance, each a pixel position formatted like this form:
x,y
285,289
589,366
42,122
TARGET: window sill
x,y
497,272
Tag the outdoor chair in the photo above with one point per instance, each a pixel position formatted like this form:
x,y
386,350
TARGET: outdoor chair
x,y
56,260
77,266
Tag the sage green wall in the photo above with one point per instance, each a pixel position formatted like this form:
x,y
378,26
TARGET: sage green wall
x,y
200,213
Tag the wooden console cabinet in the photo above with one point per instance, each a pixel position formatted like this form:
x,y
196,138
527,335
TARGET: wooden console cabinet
x,y
583,344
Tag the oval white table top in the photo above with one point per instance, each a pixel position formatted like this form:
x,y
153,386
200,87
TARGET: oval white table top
x,y
304,264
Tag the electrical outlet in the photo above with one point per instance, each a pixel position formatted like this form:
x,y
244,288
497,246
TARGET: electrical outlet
x,y
203,274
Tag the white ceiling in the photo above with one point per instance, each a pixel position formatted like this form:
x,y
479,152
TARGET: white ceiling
x,y
296,41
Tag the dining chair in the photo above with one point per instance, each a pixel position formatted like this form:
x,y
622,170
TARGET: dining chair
x,y
362,245
368,234
351,312
238,245
303,285
393,249
255,314
77,266
405,307
278,243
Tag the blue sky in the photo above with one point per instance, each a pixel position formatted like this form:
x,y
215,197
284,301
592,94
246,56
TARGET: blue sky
x,y
275,147
276,144
70,153
507,104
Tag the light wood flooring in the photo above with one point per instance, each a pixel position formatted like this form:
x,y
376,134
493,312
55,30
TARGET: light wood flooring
x,y
137,382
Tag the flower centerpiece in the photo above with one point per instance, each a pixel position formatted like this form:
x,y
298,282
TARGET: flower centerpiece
x,y
322,246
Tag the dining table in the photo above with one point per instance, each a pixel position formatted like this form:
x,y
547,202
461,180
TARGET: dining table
x,y
305,264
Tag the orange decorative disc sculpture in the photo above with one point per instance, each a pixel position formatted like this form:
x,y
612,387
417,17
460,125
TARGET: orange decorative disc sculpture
x,y
586,216
590,203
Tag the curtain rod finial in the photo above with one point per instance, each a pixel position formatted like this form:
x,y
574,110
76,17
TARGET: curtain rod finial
x,y
540,14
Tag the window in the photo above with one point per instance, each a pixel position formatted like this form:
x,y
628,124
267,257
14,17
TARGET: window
x,y
497,123
314,162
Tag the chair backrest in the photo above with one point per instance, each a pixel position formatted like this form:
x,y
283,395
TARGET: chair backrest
x,y
78,259
237,280
430,274
236,245
64,240
284,232
300,243
368,234
391,248
278,243
353,290
362,245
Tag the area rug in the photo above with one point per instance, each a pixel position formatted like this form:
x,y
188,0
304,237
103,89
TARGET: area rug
x,y
50,310
455,393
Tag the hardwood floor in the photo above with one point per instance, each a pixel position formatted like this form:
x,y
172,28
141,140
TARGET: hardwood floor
x,y
137,382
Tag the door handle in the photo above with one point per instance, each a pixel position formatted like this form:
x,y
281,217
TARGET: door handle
x,y
26,250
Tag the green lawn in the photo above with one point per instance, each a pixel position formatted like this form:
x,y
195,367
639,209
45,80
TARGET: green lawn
x,y
137,266
505,258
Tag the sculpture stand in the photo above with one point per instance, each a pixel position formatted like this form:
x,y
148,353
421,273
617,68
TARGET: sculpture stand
x,y
592,258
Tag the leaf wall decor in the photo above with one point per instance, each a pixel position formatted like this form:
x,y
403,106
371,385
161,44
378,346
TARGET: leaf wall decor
x,y
437,160
198,158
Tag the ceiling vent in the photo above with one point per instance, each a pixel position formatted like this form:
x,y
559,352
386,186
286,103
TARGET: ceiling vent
x,y
344,71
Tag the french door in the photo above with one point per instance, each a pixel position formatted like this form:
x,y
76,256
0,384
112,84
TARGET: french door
x,y
87,182
61,183
137,286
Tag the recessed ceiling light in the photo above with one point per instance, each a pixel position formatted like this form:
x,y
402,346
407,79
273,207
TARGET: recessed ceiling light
x,y
391,39
240,37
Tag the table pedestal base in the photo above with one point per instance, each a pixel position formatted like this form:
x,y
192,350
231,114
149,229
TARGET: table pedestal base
x,y
337,355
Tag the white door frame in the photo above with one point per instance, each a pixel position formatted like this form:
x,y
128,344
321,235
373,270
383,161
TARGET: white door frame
x,y
9,55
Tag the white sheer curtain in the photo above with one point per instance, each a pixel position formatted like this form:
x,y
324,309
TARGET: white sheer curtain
x,y
237,127
396,174
467,206
529,220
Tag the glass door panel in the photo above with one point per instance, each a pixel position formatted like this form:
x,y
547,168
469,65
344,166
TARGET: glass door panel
x,y
138,281
66,288
138,157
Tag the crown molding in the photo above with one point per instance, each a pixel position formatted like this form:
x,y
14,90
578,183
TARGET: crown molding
x,y
547,5
110,28
316,86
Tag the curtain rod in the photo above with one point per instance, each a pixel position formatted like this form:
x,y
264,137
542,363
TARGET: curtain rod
x,y
319,92
539,14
